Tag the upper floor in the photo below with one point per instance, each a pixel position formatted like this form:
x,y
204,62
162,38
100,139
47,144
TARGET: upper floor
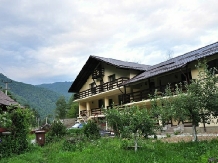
x,y
135,82
103,82
101,75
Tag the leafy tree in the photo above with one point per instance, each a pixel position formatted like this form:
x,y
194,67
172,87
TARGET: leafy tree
x,y
17,141
35,117
197,104
162,108
73,108
131,120
61,108
73,111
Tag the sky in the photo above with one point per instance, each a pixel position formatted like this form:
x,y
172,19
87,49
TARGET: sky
x,y
47,41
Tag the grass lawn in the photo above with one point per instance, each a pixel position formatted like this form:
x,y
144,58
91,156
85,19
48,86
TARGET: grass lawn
x,y
110,150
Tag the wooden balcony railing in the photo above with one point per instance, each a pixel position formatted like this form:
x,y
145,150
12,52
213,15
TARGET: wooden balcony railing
x,y
83,113
144,94
101,88
98,73
96,112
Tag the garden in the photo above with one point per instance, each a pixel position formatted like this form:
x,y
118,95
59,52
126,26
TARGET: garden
x,y
86,145
114,150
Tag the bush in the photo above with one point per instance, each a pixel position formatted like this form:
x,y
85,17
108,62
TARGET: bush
x,y
56,131
17,141
91,130
75,132
73,144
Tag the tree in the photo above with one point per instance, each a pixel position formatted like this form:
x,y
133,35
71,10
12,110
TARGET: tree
x,y
73,108
131,120
197,104
61,108
73,111
162,107
36,116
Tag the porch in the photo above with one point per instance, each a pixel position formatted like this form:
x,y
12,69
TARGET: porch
x,y
92,112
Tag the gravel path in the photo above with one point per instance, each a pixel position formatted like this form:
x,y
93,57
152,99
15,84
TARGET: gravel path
x,y
187,137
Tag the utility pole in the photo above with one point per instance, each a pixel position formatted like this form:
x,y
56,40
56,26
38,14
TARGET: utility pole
x,y
6,85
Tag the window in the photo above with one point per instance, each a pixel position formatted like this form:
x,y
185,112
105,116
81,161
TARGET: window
x,y
101,87
110,102
186,77
101,103
120,99
98,72
213,64
152,85
111,80
92,87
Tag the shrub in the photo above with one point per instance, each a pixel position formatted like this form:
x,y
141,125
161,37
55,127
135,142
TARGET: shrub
x,y
75,132
124,144
168,135
91,130
56,131
17,141
5,119
73,144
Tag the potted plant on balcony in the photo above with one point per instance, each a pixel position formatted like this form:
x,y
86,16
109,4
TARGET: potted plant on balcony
x,y
5,121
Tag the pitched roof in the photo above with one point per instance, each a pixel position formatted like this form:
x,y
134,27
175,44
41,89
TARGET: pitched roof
x,y
91,64
122,64
6,100
176,62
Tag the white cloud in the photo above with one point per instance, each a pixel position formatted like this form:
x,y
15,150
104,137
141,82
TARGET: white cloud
x,y
48,41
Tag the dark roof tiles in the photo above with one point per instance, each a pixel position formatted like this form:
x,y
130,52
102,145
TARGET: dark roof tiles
x,y
122,64
176,62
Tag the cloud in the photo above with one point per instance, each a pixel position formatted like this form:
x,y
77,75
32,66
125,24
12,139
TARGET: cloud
x,y
49,41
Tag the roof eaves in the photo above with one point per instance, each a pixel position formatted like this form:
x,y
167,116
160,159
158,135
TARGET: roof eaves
x,y
176,62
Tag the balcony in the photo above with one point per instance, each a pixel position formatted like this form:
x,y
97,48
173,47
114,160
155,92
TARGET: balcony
x,y
144,94
96,112
83,113
98,73
101,88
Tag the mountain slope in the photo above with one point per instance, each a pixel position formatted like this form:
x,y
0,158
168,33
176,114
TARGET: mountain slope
x,y
58,87
41,99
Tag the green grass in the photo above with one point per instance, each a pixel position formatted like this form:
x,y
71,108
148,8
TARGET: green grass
x,y
109,150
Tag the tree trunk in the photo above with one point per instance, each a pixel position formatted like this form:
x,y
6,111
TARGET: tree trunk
x,y
135,141
204,127
204,124
195,138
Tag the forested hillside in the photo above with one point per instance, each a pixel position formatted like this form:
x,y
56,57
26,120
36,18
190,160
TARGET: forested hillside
x,y
58,87
41,99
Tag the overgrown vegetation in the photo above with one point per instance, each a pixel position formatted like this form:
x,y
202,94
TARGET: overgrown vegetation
x,y
57,131
91,130
17,141
111,150
76,146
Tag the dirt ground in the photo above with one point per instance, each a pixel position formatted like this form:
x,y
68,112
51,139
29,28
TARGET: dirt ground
x,y
187,138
